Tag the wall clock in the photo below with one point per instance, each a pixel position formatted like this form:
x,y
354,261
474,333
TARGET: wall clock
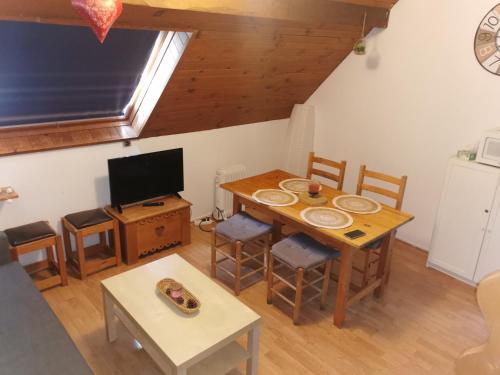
x,y
487,42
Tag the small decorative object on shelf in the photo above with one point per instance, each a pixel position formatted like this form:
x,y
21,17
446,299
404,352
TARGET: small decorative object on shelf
x,y
180,297
466,155
7,193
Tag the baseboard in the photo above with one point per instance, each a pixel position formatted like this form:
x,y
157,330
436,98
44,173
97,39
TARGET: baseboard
x,y
417,247
451,274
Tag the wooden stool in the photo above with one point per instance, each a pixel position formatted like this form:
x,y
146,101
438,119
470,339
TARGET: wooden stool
x,y
303,255
241,232
37,236
97,257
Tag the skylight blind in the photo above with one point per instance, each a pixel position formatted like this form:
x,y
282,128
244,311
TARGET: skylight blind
x,y
54,73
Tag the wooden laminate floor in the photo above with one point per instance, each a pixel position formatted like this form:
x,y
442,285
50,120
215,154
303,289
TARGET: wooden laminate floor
x,y
424,322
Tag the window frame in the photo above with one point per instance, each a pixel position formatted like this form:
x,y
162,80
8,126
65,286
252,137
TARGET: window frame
x,y
127,126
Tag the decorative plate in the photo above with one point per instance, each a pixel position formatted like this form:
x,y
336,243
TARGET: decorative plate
x,y
187,303
357,204
296,185
275,197
329,218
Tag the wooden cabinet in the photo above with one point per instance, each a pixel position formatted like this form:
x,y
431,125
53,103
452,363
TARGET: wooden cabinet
x,y
144,230
466,237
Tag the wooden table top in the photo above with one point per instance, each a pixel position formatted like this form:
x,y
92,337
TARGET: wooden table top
x,y
374,225
183,338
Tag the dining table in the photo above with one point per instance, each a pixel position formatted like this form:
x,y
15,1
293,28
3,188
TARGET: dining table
x,y
380,226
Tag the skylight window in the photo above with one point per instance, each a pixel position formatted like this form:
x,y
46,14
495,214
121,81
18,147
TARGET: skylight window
x,y
53,73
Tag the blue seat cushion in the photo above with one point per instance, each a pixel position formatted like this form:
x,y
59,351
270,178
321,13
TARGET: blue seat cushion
x,y
301,251
242,227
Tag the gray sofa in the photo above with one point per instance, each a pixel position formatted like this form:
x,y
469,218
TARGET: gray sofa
x,y
32,340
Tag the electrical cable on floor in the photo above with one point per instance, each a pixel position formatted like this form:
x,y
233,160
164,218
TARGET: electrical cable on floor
x,y
219,213
200,225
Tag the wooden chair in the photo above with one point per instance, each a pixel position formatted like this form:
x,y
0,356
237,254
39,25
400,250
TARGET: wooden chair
x,y
338,178
485,359
245,243
303,256
37,236
372,251
97,257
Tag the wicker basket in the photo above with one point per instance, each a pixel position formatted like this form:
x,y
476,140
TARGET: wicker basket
x,y
317,201
165,284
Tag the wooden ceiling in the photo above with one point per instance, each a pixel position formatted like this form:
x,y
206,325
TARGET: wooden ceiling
x,y
257,68
248,61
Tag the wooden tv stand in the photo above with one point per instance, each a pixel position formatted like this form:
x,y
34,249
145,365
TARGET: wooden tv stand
x,y
144,230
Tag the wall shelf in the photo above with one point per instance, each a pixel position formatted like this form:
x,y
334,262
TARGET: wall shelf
x,y
7,193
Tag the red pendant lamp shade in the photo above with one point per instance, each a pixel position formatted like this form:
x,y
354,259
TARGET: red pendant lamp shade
x,y
99,14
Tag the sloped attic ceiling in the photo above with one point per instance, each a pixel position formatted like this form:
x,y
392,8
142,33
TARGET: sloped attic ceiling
x,y
240,69
248,61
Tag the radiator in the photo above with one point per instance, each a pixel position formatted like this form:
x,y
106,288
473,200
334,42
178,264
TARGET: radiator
x,y
223,198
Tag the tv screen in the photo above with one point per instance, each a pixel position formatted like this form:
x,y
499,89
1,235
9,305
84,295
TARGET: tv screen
x,y
142,177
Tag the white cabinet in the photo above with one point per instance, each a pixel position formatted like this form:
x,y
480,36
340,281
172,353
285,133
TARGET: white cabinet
x,y
466,238
489,259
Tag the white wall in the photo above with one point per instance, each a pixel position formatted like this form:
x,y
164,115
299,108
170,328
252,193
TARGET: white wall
x,y
417,97
55,183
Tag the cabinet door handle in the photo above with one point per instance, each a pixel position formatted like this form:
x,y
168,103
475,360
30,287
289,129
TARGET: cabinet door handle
x,y
486,211
160,229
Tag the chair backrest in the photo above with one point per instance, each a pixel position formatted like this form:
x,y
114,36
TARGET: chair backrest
x,y
338,178
396,195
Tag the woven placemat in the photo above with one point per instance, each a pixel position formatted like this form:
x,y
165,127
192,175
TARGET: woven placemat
x,y
324,217
296,185
357,204
275,197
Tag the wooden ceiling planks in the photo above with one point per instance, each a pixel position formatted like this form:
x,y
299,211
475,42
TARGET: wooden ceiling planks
x,y
227,79
247,62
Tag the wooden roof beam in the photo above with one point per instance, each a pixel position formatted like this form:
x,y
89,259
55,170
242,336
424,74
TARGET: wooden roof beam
x,y
303,11
203,14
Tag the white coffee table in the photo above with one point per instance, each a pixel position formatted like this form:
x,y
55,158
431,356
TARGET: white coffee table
x,y
203,343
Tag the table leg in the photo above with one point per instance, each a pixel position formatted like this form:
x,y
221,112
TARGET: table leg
x,y
384,263
253,350
276,235
343,285
109,316
236,204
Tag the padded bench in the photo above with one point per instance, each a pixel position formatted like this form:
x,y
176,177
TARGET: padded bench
x,y
32,340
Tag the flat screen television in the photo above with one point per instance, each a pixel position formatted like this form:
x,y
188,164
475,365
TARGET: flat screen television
x,y
146,176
